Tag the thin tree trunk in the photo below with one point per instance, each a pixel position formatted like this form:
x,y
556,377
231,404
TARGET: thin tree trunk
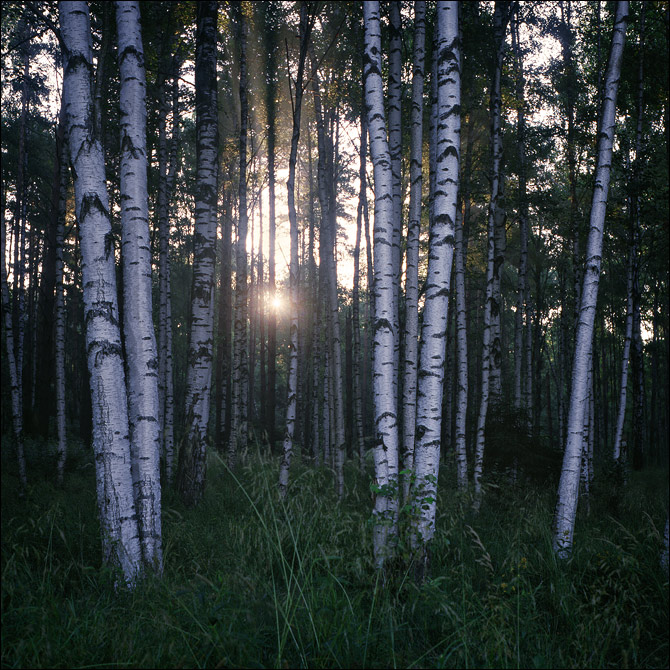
x,y
440,257
522,290
239,430
59,307
120,533
357,361
193,456
138,327
292,382
385,316
394,97
568,490
491,306
413,231
17,416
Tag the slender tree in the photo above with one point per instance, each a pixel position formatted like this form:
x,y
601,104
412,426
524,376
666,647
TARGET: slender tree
x,y
413,232
111,444
239,427
568,489
305,29
440,257
138,327
385,322
492,304
192,455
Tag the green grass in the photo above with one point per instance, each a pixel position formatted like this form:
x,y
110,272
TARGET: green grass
x,y
252,582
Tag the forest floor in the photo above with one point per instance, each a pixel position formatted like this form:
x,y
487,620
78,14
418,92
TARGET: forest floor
x,y
252,582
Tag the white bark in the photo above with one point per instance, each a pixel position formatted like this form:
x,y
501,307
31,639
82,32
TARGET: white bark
x,y
17,416
239,426
461,359
138,327
292,381
111,445
491,306
522,287
192,459
625,358
165,182
441,250
413,230
568,489
59,314
394,98
385,323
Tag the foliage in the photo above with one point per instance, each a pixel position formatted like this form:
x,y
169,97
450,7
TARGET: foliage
x,y
252,581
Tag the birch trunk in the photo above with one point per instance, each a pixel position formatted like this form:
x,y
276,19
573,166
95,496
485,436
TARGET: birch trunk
x,y
492,306
520,394
59,311
356,325
385,317
165,183
239,429
394,97
17,417
625,358
138,327
413,231
193,456
568,489
292,382
441,250
461,360
111,445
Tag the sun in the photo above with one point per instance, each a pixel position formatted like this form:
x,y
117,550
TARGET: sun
x,y
276,303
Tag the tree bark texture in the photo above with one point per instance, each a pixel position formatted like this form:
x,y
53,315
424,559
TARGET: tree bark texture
x,y
440,257
385,316
111,443
568,489
192,456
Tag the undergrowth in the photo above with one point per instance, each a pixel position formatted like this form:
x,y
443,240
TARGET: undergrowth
x,y
251,581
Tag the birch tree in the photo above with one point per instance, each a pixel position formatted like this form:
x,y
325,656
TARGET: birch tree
x,y
17,414
305,29
440,257
59,303
111,444
568,488
192,456
413,231
491,305
239,427
138,327
385,324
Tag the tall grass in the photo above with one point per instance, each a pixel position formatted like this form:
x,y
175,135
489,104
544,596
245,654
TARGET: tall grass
x,y
253,581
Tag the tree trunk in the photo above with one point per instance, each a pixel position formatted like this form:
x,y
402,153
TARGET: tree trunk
x,y
385,316
138,327
440,257
192,456
118,519
239,428
17,415
292,382
491,306
413,231
568,490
